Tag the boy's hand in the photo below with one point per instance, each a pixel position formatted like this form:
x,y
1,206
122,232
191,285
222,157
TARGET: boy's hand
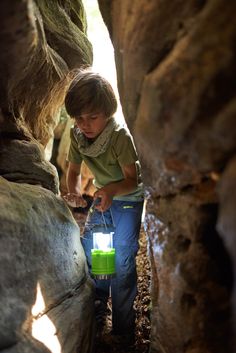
x,y
104,198
75,200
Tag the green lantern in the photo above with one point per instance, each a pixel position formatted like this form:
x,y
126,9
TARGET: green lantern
x,y
103,252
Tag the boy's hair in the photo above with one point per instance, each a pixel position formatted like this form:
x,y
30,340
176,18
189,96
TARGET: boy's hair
x,y
90,93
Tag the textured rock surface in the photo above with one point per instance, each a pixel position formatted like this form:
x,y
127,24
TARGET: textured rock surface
x,y
41,41
23,162
192,274
39,240
40,244
176,77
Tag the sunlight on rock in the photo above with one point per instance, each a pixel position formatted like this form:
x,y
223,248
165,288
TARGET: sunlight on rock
x,y
103,59
42,327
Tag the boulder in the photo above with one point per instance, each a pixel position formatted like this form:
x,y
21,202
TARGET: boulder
x,y
41,249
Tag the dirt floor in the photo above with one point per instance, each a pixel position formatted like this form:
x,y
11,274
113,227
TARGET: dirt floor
x,y
142,306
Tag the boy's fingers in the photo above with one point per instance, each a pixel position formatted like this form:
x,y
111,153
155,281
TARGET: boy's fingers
x,y
81,202
75,200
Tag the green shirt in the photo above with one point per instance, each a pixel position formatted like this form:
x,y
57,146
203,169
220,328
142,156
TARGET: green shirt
x,y
106,167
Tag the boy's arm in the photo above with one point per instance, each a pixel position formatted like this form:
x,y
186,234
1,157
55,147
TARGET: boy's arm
x,y
123,187
73,181
73,178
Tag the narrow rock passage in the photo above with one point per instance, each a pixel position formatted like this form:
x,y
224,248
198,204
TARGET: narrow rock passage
x,y
142,305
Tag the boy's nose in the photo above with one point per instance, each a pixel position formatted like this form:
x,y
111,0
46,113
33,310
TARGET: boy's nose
x,y
85,124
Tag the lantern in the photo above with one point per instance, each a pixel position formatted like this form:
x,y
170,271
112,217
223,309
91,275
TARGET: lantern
x,y
103,253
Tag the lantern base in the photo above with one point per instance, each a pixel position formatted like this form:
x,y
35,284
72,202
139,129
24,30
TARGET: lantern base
x,y
103,276
103,263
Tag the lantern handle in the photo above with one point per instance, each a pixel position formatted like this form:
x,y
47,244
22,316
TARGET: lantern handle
x,y
112,219
103,218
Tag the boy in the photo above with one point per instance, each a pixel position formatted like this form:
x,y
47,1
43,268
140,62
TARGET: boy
x,y
109,152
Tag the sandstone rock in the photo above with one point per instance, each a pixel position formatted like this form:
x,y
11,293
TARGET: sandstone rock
x,y
38,54
191,275
40,246
23,162
175,69
39,239
176,78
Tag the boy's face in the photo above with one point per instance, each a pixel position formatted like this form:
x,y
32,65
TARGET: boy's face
x,y
91,124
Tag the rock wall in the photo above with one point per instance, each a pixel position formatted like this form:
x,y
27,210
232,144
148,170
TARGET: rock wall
x,y
176,77
40,247
38,53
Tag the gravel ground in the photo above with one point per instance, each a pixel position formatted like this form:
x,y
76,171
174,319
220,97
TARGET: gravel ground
x,y
142,306
143,300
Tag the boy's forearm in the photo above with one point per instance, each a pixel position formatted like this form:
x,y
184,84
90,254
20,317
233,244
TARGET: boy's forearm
x,y
122,187
73,182
107,192
127,185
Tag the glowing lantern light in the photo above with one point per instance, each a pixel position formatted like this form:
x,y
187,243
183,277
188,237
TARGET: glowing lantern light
x,y
103,252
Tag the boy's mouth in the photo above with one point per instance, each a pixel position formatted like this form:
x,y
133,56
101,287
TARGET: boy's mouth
x,y
88,133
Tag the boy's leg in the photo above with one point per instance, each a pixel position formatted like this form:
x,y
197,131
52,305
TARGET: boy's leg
x,y
127,219
102,286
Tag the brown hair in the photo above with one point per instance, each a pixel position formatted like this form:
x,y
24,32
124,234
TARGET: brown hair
x,y
89,92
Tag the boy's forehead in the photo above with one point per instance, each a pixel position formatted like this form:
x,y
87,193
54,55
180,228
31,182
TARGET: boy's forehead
x,y
88,115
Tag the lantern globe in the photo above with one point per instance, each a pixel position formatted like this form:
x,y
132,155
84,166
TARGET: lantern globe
x,y
103,252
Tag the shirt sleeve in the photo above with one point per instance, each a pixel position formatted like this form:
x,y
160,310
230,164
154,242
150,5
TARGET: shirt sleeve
x,y
74,155
124,148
